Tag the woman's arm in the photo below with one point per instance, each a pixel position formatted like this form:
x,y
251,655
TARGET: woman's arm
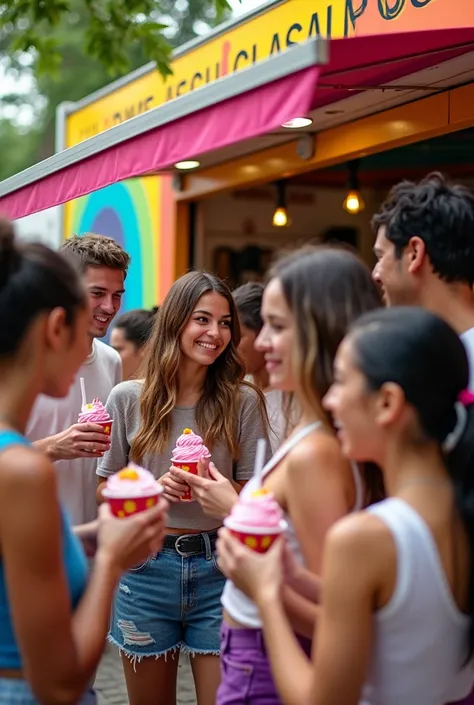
x,y
301,580
344,631
352,580
314,490
302,612
31,543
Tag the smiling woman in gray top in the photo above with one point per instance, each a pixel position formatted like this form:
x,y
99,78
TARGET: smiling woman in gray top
x,y
193,379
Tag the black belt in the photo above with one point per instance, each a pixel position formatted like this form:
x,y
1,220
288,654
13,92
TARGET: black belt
x,y
190,544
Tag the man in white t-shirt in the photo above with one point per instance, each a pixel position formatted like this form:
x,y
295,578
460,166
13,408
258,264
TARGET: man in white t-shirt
x,y
53,426
425,252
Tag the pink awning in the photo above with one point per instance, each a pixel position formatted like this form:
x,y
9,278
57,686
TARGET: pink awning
x,y
251,112
231,111
360,63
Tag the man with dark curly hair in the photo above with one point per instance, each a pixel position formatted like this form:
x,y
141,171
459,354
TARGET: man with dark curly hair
x,y
425,251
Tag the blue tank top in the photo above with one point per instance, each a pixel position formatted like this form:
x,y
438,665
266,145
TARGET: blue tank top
x,y
75,565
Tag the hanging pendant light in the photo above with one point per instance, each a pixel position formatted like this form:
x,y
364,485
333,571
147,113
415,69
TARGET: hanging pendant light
x,y
353,202
280,216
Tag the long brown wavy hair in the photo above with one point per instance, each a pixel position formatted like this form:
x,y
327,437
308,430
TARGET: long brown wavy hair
x,y
326,288
218,407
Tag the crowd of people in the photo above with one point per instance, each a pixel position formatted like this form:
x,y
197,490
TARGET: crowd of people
x,y
362,385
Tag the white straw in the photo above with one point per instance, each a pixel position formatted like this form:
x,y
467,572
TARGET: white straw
x,y
260,459
83,392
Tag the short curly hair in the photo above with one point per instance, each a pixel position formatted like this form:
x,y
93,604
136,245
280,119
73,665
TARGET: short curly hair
x,y
91,250
442,215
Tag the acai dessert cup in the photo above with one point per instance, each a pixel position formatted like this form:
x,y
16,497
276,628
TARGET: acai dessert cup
x,y
256,520
98,414
131,490
188,451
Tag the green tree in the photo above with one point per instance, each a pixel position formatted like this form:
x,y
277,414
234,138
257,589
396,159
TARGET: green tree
x,y
78,74
112,28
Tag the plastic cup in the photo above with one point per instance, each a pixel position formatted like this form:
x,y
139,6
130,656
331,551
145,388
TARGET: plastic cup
x,y
106,425
259,539
127,506
187,467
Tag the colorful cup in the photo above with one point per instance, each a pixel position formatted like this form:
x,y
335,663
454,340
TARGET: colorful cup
x,y
106,425
259,539
127,506
187,467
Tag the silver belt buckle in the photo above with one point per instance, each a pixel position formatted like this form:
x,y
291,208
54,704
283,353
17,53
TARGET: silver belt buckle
x,y
181,553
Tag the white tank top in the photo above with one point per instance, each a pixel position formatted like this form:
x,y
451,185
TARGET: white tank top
x,y
420,637
238,605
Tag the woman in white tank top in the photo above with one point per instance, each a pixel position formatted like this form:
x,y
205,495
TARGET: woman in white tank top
x,y
309,302
396,625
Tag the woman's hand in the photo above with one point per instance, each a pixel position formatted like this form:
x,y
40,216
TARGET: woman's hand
x,y
132,540
174,487
260,576
213,491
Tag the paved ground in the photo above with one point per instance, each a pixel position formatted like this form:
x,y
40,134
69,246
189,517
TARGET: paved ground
x,y
110,683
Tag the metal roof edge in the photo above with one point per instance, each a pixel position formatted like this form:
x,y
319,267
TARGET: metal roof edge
x,y
297,58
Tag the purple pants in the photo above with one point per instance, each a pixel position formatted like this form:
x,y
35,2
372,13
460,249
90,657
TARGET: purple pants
x,y
246,676
468,701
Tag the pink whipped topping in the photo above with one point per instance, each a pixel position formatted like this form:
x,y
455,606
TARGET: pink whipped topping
x,y
258,509
189,448
132,481
94,413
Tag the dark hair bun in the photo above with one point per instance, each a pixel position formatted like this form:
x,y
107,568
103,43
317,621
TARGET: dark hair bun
x,y
10,258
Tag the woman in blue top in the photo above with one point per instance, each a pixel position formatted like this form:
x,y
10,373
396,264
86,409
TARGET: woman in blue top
x,y
52,627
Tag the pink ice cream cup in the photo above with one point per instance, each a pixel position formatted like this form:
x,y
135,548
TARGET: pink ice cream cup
x,y
189,450
98,414
256,520
131,490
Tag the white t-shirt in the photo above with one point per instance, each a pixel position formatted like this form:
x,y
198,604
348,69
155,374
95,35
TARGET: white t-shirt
x,y
77,479
468,339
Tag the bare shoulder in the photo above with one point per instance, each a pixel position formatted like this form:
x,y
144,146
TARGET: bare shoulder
x,y
319,452
24,468
361,537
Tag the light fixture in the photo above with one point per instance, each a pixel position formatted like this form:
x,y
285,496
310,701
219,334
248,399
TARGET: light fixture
x,y
297,123
187,165
353,202
280,216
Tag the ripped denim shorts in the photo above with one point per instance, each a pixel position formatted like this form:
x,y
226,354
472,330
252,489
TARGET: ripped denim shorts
x,y
172,602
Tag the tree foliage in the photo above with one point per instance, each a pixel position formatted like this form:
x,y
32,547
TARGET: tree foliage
x,y
111,30
78,73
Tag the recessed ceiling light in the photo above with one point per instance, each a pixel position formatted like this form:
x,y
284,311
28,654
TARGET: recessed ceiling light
x,y
250,169
187,165
297,123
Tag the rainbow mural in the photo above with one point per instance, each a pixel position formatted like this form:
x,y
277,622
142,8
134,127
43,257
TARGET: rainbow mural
x,y
128,212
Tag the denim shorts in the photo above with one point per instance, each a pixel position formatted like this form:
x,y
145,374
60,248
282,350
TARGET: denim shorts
x,y
246,674
17,692
172,602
